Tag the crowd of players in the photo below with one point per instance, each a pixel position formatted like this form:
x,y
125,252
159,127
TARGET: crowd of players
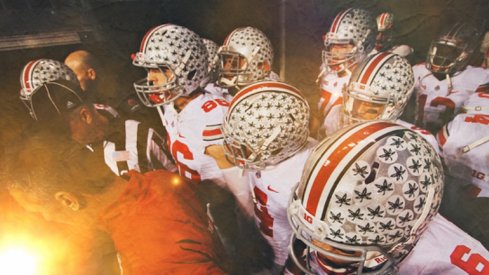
x,y
237,176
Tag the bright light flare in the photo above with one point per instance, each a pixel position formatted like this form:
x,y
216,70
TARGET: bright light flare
x,y
176,181
16,260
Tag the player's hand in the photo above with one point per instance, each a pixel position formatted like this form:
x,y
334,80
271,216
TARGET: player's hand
x,y
217,153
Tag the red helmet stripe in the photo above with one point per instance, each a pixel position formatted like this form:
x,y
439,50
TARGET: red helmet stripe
x,y
264,85
337,21
27,74
147,36
371,67
328,164
382,19
226,40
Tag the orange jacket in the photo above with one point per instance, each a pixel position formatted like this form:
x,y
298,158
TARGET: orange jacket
x,y
159,226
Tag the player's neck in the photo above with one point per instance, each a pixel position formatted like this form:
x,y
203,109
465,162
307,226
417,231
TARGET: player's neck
x,y
440,76
180,103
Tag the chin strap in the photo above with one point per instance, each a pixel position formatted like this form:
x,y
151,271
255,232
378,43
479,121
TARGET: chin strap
x,y
467,148
450,84
323,71
266,143
183,63
228,82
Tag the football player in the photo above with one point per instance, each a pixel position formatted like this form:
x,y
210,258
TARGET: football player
x,y
176,61
245,57
367,203
349,39
446,80
213,61
384,39
266,135
466,154
379,88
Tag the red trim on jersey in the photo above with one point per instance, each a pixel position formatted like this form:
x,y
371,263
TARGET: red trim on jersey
x,y
213,132
338,101
441,137
340,152
27,74
326,96
367,72
484,88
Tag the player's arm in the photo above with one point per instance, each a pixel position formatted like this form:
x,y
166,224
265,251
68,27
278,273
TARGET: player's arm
x,y
236,181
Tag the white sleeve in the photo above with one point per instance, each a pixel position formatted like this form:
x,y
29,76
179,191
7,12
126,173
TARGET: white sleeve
x,y
402,50
238,184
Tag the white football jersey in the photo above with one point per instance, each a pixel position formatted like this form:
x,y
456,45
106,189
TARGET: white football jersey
x,y
436,103
470,166
331,85
197,126
331,100
332,122
445,249
272,189
216,90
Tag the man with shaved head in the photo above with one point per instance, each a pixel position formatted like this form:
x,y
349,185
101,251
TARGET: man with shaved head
x,y
85,66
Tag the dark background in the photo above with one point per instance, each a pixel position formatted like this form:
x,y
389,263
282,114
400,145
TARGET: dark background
x,y
112,30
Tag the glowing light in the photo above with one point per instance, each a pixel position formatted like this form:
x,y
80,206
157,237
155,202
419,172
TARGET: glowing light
x,y
176,181
18,261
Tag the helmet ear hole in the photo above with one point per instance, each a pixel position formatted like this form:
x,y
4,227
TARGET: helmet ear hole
x,y
191,74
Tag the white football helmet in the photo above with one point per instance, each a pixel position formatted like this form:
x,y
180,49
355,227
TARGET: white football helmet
x,y
38,72
211,48
383,81
369,191
245,57
355,27
477,103
266,123
174,48
385,23
451,51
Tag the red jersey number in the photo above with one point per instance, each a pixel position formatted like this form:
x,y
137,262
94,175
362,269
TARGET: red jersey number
x,y
474,264
184,170
212,104
261,212
482,119
437,101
